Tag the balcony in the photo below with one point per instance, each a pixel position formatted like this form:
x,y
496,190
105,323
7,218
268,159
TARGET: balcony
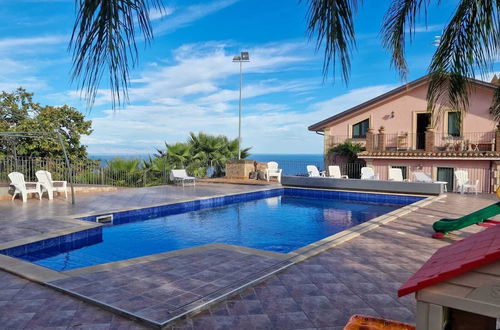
x,y
430,141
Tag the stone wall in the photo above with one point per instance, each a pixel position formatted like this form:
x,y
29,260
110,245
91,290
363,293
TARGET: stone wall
x,y
241,169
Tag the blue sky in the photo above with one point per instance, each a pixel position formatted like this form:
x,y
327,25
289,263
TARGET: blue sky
x,y
186,81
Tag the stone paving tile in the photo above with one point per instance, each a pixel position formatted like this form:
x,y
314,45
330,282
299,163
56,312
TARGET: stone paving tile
x,y
359,276
39,307
158,289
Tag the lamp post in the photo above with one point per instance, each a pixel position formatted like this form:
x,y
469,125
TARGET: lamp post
x,y
243,57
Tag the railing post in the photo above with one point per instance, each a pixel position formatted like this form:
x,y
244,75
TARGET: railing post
x,y
429,139
370,139
497,138
381,139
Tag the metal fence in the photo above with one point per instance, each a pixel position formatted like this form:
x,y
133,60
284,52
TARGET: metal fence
x,y
299,167
82,173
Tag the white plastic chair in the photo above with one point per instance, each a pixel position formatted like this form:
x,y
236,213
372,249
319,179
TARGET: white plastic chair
x,y
313,171
396,174
462,180
181,177
334,172
20,186
367,173
51,186
273,171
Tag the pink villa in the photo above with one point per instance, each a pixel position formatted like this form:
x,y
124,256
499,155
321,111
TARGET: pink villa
x,y
397,132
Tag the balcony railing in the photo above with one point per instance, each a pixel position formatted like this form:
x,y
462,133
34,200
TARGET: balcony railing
x,y
332,141
479,141
440,142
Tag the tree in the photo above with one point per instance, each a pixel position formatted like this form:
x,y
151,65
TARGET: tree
x,y
348,149
203,154
19,113
105,30
124,172
214,151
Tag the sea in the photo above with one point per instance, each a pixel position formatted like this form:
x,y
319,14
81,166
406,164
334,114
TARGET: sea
x,y
292,164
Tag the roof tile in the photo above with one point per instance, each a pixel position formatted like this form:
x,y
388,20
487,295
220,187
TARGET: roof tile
x,y
460,257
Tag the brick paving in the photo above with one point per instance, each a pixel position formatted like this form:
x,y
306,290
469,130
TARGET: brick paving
x,y
359,276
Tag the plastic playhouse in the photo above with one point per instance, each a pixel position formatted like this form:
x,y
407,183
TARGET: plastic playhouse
x,y
459,286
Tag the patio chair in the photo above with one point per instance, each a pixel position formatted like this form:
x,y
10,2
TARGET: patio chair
x,y
462,180
49,185
367,173
426,178
313,171
21,186
334,172
422,177
181,177
273,171
396,174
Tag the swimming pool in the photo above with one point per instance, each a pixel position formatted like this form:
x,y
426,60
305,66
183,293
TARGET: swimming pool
x,y
279,220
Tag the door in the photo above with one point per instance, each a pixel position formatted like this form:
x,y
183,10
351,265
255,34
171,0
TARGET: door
x,y
423,121
446,174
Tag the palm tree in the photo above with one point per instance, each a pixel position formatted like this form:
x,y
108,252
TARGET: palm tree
x,y
156,169
105,30
124,172
178,154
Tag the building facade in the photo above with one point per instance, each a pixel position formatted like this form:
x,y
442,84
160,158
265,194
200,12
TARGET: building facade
x,y
397,131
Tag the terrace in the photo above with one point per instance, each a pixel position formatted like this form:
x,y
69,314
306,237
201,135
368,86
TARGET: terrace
x,y
358,276
410,144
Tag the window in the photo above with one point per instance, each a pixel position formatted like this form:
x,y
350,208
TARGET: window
x,y
359,130
454,123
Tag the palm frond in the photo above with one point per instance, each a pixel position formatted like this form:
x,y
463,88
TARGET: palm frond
x,y
104,39
495,105
399,21
469,46
331,22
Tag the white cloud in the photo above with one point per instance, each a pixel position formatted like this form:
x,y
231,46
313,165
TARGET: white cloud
x,y
191,93
350,99
185,16
426,28
155,13
265,107
266,126
21,43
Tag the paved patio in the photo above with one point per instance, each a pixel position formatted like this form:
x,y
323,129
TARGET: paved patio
x,y
360,276
167,286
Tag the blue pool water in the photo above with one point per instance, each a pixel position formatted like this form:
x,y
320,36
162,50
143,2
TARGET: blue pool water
x,y
282,224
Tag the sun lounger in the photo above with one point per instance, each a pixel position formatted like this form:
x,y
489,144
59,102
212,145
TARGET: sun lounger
x,y
181,177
